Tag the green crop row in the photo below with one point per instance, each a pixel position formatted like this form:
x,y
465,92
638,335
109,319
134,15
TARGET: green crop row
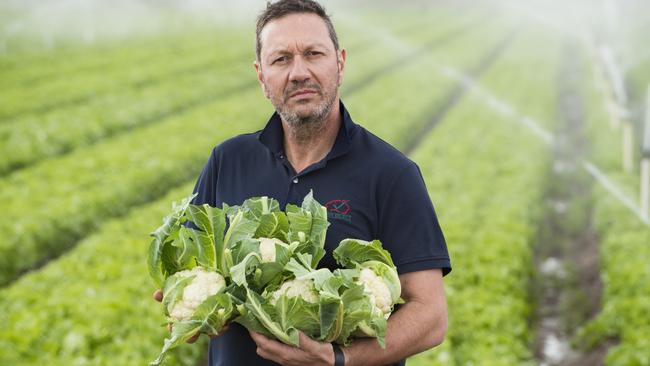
x,y
427,89
488,201
92,306
84,87
94,279
54,203
82,63
46,66
539,51
375,24
394,49
622,324
59,62
67,196
486,174
33,137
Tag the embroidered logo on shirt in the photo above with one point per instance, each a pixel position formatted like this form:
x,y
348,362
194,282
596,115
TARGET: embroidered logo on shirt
x,y
339,209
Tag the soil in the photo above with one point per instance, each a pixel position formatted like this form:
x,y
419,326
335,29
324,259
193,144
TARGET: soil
x,y
567,286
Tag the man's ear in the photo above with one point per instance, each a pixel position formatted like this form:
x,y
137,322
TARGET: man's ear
x,y
260,77
341,64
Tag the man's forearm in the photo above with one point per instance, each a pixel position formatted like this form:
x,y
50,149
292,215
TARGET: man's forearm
x,y
415,327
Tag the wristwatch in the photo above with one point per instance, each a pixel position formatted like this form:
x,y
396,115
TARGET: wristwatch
x,y
339,357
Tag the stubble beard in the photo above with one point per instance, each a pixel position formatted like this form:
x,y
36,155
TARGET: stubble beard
x,y
305,128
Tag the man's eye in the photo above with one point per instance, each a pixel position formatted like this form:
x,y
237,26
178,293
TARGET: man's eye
x,y
313,53
280,59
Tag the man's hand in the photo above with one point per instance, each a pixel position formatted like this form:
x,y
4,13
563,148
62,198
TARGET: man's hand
x,y
310,352
158,296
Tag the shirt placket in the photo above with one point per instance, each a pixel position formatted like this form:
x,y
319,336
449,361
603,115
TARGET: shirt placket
x,y
295,179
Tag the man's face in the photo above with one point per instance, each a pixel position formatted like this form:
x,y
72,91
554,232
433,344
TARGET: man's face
x,y
299,69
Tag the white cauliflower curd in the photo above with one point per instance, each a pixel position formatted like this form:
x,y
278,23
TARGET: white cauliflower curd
x,y
296,288
267,249
204,285
377,290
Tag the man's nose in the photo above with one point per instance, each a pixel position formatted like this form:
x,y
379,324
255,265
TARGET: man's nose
x,y
299,70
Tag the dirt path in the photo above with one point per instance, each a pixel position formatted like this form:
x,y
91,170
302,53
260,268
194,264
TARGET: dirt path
x,y
567,284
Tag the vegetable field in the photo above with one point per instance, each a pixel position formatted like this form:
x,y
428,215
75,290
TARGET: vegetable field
x,y
512,110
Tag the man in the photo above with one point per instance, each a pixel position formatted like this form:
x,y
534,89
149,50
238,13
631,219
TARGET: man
x,y
370,189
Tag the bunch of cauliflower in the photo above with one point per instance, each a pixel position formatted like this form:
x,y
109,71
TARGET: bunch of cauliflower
x,y
256,265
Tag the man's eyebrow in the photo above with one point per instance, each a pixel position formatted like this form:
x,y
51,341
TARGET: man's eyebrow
x,y
284,49
316,44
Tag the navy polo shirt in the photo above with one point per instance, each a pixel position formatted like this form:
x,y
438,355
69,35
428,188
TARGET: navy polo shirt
x,y
371,191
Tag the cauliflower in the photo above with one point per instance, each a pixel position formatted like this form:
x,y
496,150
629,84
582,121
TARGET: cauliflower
x,y
204,285
294,288
267,249
378,291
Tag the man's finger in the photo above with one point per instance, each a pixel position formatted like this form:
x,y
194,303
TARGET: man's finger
x,y
271,345
259,339
266,348
158,295
194,338
306,342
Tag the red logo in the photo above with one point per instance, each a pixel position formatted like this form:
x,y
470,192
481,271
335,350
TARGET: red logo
x,y
338,206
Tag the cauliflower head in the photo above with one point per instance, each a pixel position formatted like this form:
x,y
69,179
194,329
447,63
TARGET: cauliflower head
x,y
377,290
267,248
205,284
296,288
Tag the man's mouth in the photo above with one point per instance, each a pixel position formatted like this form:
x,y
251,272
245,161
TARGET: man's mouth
x,y
303,92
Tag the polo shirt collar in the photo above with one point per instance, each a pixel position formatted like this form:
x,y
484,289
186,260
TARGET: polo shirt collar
x,y
272,135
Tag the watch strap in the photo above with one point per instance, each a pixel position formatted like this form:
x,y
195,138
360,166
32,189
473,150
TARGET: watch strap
x,y
339,357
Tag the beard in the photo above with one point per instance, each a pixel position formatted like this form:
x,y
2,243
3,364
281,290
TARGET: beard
x,y
304,125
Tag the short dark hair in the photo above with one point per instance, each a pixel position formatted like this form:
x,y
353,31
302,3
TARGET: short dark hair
x,y
282,8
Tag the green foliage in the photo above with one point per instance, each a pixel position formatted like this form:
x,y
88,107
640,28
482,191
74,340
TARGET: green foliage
x,y
104,180
489,230
77,88
351,251
420,88
78,125
488,202
623,323
626,280
93,305
143,94
53,65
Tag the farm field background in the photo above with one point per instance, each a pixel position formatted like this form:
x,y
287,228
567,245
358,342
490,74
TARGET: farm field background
x,y
515,113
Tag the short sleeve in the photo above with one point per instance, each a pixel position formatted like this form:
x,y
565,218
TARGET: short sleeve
x,y
408,226
205,187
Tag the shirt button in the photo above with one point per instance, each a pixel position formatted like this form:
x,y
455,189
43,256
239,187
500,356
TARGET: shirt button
x,y
295,180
